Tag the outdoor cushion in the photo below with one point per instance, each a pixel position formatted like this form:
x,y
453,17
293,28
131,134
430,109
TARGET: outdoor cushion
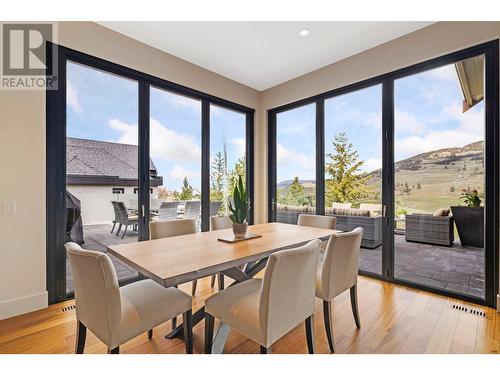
x,y
442,212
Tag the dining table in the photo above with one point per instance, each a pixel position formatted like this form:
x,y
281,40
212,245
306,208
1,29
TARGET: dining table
x,y
176,260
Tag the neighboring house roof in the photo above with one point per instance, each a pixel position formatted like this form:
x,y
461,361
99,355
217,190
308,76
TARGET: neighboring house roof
x,y
91,162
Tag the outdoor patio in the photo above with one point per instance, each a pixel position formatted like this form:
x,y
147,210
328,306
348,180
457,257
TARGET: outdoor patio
x,y
455,268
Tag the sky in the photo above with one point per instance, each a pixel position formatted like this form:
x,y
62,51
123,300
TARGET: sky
x,y
104,107
428,116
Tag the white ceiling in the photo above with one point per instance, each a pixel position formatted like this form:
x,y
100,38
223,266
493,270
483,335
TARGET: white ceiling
x,y
263,54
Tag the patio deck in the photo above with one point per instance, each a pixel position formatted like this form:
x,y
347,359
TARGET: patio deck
x,y
458,269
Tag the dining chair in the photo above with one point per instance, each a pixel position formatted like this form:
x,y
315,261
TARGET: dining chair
x,y
265,310
168,211
173,228
338,273
218,223
318,221
117,314
123,217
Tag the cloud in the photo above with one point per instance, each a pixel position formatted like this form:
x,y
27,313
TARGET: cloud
x,y
406,122
180,101
472,121
239,146
371,164
72,98
303,166
178,173
165,144
433,140
445,73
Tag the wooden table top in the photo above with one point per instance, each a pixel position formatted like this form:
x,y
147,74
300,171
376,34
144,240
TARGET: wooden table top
x,y
176,260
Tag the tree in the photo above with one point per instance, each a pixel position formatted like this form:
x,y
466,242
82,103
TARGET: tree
x,y
345,182
406,189
217,178
238,170
418,186
452,189
187,191
296,195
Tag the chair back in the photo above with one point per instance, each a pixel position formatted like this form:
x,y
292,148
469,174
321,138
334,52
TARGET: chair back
x,y
168,210
215,207
97,294
121,209
318,221
192,210
220,222
165,229
288,289
340,267
116,211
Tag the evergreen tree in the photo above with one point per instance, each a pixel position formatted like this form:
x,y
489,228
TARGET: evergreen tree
x,y
187,191
238,170
418,186
345,182
217,178
296,195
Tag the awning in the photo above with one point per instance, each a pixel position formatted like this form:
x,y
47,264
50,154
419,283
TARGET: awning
x,y
471,77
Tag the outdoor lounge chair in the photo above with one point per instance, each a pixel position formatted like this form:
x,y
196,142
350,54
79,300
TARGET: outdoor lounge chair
x,y
215,207
122,217
192,210
427,228
168,211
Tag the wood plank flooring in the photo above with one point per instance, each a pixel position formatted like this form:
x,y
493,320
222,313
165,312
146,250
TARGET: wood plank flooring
x,y
394,319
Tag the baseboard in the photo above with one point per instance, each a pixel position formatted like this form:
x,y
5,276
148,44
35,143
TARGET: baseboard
x,y
23,305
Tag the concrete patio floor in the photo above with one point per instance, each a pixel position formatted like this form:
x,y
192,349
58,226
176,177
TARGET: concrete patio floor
x,y
458,269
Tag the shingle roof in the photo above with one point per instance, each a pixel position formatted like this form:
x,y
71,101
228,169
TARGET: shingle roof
x,y
107,159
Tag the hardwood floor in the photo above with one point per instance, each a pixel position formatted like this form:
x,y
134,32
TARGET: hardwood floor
x,y
394,319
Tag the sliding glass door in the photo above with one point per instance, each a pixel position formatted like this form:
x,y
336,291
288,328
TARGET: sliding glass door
x,y
439,175
101,163
353,168
410,156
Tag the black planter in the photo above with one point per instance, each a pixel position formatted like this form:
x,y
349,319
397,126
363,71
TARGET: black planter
x,y
470,225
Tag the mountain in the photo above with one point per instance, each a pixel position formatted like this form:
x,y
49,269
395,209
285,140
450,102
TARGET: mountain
x,y
286,183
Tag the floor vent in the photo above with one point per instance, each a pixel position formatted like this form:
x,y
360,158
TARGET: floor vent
x,y
470,310
68,308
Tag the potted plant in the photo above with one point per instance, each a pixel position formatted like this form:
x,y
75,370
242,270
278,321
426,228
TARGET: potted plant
x,y
239,212
469,219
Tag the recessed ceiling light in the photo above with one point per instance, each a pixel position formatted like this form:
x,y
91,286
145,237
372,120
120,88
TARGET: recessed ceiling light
x,y
304,32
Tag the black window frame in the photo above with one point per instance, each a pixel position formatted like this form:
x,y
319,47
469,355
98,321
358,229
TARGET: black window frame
x,y
490,50
56,153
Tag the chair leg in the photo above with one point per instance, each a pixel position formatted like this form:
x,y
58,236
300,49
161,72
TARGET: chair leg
x,y
354,305
310,334
221,282
327,316
118,230
114,224
125,231
114,351
193,287
264,350
209,332
187,319
81,335
212,281
150,334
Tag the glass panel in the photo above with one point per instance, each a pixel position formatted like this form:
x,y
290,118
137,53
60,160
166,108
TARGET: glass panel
x,y
353,168
439,165
101,162
296,170
175,150
227,156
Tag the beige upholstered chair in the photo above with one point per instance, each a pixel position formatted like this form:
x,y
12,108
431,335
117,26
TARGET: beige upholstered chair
x,y
116,315
318,221
218,223
172,228
265,310
337,273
